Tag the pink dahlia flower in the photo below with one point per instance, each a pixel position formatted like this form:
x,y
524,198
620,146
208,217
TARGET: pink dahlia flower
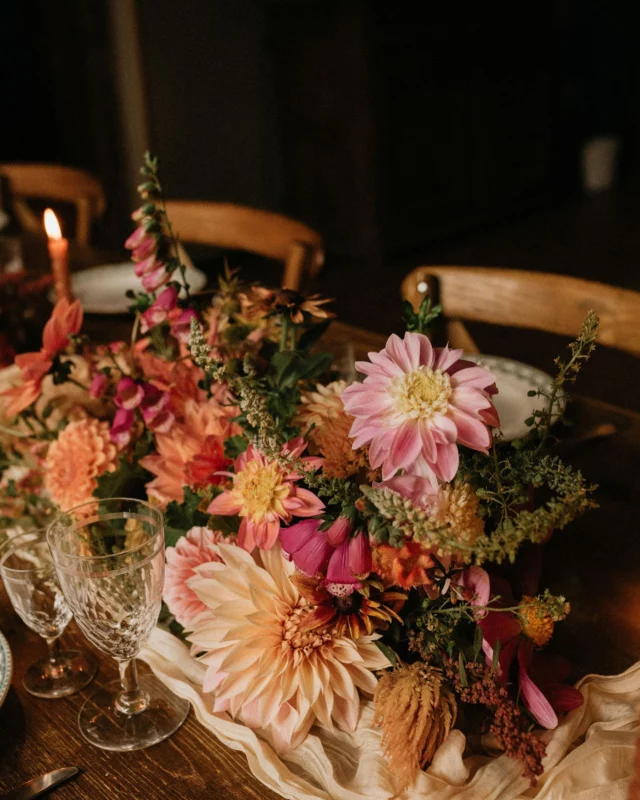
x,y
197,547
416,403
265,494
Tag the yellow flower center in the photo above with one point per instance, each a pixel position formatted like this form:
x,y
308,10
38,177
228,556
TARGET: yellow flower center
x,y
260,489
537,625
421,393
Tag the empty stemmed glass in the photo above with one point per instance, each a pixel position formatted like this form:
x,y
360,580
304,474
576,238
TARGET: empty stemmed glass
x,y
109,555
32,585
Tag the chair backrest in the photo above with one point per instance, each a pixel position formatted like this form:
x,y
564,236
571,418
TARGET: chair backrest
x,y
54,182
234,227
520,299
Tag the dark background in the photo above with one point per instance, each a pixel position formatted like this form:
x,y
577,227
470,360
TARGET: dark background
x,y
405,133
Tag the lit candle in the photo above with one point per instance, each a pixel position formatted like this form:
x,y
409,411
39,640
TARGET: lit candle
x,y
59,255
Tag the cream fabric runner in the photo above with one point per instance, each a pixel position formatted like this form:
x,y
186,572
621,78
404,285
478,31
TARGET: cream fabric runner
x,y
589,756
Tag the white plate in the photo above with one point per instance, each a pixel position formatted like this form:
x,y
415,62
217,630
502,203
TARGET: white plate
x,y
514,379
101,290
6,668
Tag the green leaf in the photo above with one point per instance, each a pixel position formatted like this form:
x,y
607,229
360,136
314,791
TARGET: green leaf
x,y
227,526
477,643
496,655
314,365
180,517
234,446
462,671
388,652
311,336
128,480
283,368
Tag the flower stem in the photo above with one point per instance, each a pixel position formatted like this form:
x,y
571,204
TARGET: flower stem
x,y
284,335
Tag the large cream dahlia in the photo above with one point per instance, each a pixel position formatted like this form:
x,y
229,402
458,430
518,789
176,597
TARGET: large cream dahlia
x,y
263,668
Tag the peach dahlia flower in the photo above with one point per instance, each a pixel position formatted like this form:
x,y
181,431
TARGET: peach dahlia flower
x,y
82,452
416,403
263,668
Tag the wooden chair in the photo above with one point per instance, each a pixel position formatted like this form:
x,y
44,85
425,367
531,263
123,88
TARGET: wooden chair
x,y
264,233
519,299
58,183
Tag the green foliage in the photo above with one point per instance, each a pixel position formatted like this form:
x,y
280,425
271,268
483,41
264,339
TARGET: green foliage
x,y
235,446
420,321
180,517
129,478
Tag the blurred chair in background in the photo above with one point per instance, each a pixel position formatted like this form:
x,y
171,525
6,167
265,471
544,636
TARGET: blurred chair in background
x,y
56,183
519,299
232,227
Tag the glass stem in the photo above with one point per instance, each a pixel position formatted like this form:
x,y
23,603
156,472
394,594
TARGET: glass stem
x,y
131,700
53,644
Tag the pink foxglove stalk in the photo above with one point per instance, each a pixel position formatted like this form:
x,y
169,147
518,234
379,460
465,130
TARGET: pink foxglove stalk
x,y
98,385
265,494
122,427
307,546
181,325
416,404
263,667
160,309
129,394
153,280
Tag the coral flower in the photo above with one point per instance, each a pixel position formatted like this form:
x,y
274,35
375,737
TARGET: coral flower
x,y
406,566
82,452
262,667
265,494
66,320
326,425
187,448
197,546
416,403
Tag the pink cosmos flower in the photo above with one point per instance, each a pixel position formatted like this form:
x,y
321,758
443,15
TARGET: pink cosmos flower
x,y
416,403
540,675
197,547
160,309
265,494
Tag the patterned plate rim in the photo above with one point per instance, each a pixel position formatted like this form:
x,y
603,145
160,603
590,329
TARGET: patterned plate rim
x,y
6,667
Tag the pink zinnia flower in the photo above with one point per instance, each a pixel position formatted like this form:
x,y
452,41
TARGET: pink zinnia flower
x,y
197,547
265,494
160,309
416,403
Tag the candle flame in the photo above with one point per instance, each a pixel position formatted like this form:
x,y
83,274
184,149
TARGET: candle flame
x,y
51,225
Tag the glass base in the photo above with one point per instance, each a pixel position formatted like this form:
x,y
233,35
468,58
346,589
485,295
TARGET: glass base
x,y
103,725
66,674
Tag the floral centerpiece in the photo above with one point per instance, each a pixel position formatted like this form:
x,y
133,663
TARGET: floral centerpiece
x,y
324,541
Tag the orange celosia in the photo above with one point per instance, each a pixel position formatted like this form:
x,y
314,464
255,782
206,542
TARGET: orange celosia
x,y
65,320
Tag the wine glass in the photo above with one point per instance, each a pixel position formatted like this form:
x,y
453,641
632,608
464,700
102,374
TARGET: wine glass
x,y
109,555
31,583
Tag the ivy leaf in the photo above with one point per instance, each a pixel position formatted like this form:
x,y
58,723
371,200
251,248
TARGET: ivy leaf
x,y
388,652
180,517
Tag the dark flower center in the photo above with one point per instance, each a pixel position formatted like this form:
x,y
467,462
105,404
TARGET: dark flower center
x,y
348,605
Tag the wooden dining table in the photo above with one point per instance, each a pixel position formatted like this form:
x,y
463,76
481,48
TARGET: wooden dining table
x,y
595,563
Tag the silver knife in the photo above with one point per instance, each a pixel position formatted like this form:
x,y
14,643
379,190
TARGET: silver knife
x,y
38,786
